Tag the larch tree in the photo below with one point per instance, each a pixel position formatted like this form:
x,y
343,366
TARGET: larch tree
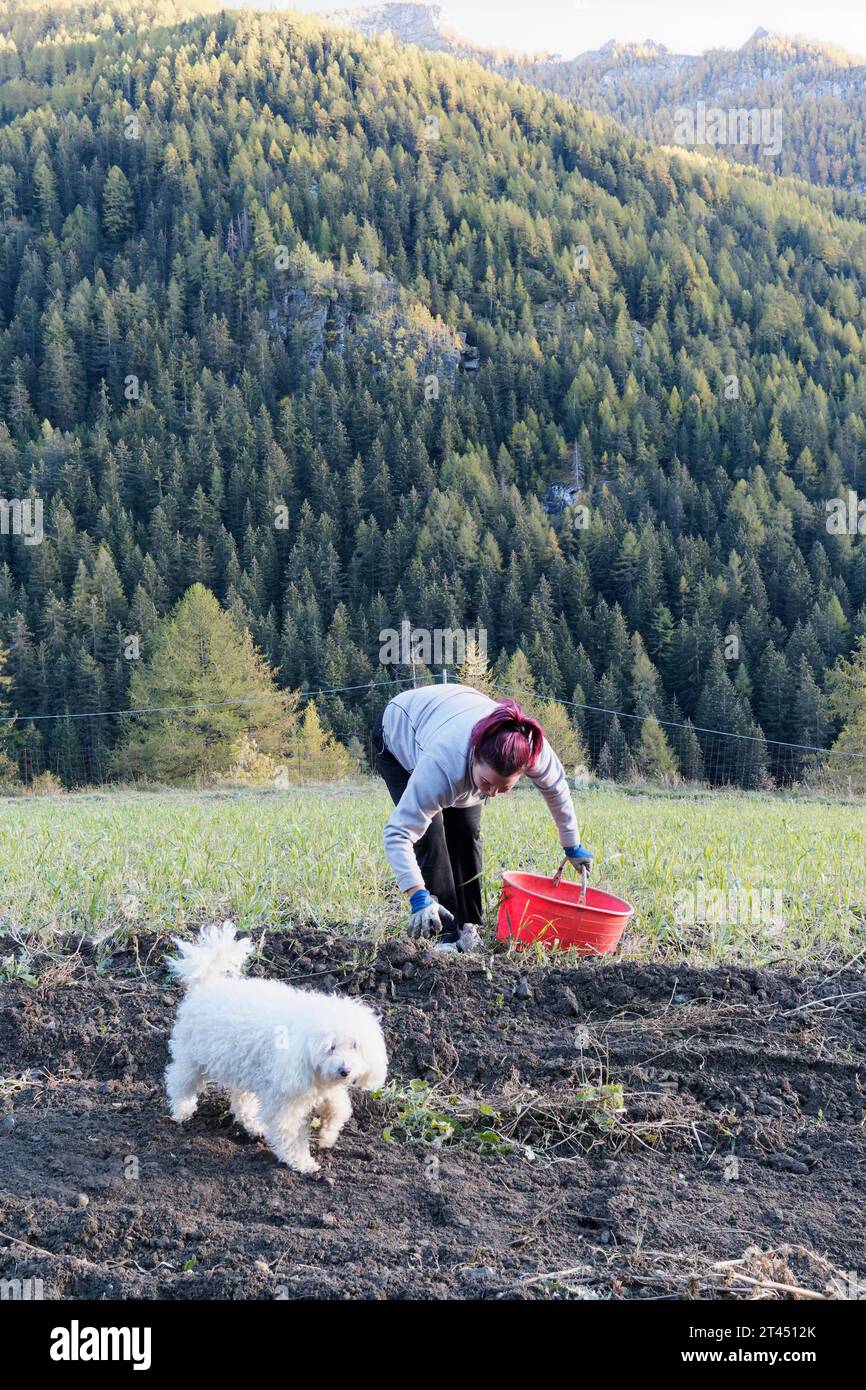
x,y
847,687
314,755
203,689
655,757
475,669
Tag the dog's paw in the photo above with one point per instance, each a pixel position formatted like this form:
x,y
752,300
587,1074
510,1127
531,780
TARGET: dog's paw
x,y
184,1110
301,1165
326,1140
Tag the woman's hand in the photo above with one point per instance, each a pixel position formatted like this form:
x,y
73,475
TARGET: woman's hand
x,y
580,857
428,915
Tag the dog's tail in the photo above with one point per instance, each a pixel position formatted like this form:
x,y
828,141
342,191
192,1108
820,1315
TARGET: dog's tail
x,y
215,955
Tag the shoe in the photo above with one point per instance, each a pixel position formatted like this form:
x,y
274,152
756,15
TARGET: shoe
x,y
446,948
469,940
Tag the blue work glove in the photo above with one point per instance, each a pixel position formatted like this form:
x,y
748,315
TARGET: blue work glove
x,y
580,857
428,915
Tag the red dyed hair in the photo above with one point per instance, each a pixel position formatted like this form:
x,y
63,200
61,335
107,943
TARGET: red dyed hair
x,y
507,740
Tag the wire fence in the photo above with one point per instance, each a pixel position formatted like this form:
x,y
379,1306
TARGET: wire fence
x,y
622,747
78,748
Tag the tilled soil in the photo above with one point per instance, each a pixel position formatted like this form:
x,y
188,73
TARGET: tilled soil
x,y
738,1135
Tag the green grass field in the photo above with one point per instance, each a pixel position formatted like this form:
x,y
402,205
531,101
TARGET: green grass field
x,y
157,861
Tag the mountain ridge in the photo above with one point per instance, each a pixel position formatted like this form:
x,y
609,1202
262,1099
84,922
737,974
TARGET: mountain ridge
x,y
242,256
414,21
816,90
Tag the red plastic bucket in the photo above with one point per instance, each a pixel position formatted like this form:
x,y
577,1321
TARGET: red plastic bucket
x,y
531,909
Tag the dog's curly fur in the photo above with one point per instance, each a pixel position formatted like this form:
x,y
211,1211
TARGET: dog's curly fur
x,y
281,1052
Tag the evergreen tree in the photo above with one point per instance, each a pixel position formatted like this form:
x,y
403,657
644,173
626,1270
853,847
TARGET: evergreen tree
x,y
654,756
117,205
8,759
475,670
561,734
203,686
690,755
313,754
847,687
517,679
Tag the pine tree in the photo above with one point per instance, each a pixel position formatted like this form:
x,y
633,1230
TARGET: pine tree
x,y
475,670
655,758
203,686
617,749
8,759
561,734
847,695
117,205
314,755
604,766
517,679
691,758
811,723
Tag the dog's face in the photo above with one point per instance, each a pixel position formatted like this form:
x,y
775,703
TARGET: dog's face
x,y
352,1059
339,1059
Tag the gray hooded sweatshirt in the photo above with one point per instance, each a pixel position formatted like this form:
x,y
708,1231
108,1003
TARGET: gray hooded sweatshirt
x,y
427,731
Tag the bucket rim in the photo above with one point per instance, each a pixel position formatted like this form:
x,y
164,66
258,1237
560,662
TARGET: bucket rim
x,y
510,874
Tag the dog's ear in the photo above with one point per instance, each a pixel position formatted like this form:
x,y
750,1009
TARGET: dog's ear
x,y
372,1047
319,1045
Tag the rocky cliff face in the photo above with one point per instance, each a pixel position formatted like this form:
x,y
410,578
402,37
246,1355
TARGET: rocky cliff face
x,y
765,57
423,25
323,309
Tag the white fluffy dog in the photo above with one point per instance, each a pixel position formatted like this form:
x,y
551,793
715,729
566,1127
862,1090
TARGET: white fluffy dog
x,y
282,1053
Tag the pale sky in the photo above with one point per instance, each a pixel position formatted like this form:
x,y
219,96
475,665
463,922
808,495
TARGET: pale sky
x,y
569,27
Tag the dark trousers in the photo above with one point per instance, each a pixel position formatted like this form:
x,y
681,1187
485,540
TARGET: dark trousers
x,y
449,851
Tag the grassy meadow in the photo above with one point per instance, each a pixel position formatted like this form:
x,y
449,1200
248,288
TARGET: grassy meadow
x,y
98,861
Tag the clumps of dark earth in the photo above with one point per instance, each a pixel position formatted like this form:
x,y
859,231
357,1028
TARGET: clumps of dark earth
x,y
560,1130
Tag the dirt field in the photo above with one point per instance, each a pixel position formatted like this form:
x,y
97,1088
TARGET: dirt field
x,y
738,1131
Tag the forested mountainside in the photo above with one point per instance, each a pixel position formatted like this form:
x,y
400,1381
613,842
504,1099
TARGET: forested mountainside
x,y
240,255
815,92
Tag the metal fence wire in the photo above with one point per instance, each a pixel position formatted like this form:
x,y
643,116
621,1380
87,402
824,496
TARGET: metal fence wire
x,y
76,746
